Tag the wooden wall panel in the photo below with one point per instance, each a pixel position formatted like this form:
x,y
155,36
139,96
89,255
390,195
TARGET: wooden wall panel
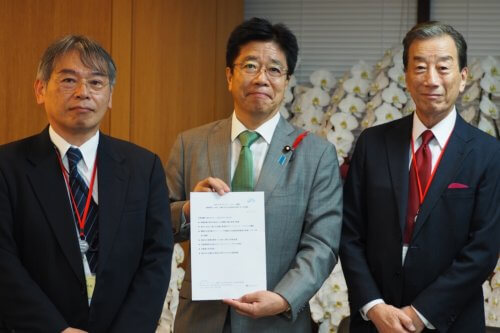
x,y
173,68
170,56
27,27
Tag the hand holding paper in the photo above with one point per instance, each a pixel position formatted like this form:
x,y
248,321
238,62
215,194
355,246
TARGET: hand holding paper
x,y
259,304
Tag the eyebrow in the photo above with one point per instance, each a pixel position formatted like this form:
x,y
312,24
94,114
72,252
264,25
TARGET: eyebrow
x,y
443,58
274,61
73,72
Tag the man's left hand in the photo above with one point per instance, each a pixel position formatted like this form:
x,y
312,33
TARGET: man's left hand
x,y
259,304
417,322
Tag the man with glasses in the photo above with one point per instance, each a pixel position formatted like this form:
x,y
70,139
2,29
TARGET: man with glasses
x,y
85,232
298,174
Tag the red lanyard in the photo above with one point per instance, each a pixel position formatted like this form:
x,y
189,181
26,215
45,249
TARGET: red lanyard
x,y
422,194
81,219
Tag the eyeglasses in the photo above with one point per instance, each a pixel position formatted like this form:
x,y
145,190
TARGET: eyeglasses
x,y
93,84
253,68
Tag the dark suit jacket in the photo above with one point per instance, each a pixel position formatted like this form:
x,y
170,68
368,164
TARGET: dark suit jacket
x,y
455,242
42,283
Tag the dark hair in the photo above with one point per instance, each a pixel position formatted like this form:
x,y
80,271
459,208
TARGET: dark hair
x,y
258,29
433,29
92,55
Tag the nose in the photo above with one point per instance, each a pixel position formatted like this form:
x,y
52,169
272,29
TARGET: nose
x,y
82,91
261,76
432,77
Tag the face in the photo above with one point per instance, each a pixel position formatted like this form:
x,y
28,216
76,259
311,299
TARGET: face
x,y
257,96
75,97
433,77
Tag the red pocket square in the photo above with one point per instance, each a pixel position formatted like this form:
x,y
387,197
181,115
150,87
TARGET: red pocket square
x,y
457,185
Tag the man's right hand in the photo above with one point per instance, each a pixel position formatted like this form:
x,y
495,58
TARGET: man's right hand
x,y
73,330
389,319
210,184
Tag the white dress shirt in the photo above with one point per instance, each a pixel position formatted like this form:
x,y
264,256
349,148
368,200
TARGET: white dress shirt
x,y
441,132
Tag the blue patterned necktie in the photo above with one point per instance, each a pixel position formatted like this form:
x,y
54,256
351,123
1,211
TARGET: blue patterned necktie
x,y
80,190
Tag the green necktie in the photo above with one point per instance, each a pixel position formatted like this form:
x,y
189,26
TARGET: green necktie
x,y
243,175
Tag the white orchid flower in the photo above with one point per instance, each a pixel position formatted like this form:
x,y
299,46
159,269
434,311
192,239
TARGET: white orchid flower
x,y
342,139
315,97
380,82
486,126
344,121
288,96
352,104
397,59
284,111
323,79
471,94
493,309
488,107
490,84
386,113
394,95
486,290
384,62
357,86
361,70
469,114
374,102
338,94
475,71
491,66
178,253
397,74
310,119
368,119
292,81
409,107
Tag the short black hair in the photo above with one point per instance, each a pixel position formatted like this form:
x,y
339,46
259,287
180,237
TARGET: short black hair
x,y
259,29
432,29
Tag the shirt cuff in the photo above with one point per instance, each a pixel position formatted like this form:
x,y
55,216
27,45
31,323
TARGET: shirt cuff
x,y
364,310
422,318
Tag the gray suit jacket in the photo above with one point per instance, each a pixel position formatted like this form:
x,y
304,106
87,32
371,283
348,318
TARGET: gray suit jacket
x,y
303,203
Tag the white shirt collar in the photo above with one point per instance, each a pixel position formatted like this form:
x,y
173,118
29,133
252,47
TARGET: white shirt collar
x,y
266,130
441,130
88,149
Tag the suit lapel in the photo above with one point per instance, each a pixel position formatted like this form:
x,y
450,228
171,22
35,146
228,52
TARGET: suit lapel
x,y
112,184
50,189
272,169
456,150
398,147
219,158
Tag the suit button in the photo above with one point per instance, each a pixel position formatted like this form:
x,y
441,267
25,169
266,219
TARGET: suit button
x,y
397,273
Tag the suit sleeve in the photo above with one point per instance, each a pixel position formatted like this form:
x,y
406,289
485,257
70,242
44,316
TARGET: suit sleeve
x,y
23,305
144,301
177,195
362,287
318,247
443,300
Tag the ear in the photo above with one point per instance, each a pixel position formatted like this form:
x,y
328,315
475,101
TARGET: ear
x,y
463,77
229,78
40,89
110,102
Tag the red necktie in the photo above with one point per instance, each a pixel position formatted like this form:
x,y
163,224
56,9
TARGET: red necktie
x,y
423,159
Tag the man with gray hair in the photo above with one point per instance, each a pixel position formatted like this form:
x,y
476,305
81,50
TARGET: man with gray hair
x,y
85,232
421,219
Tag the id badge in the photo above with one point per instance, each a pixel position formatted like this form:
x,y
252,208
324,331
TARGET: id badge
x,y
90,278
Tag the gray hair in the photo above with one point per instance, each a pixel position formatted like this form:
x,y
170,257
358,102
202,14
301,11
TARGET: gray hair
x,y
92,55
434,29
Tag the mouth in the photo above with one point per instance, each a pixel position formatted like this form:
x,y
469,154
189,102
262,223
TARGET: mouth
x,y
432,96
81,109
259,94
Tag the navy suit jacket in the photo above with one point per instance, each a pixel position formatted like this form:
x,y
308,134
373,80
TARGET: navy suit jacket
x,y
42,283
456,239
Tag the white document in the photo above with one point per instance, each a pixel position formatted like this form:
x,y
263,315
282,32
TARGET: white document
x,y
228,244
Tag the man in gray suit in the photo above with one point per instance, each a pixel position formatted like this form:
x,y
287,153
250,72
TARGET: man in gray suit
x,y
298,174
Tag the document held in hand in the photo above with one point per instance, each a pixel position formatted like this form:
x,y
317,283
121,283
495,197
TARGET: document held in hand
x,y
228,244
